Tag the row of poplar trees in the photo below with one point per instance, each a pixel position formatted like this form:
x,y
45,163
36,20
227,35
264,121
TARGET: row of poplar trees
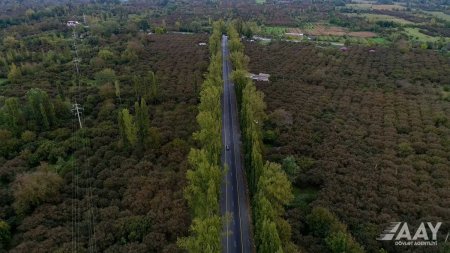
x,y
204,177
135,130
269,186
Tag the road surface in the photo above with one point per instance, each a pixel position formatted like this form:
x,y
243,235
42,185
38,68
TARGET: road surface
x,y
234,199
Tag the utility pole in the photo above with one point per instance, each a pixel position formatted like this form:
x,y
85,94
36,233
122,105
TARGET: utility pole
x,y
77,110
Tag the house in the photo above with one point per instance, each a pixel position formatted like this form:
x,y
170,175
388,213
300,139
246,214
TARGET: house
x,y
260,77
72,23
295,34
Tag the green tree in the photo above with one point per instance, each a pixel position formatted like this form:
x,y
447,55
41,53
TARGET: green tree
x,y
342,242
5,234
160,30
14,115
10,42
117,90
142,121
106,76
127,127
14,73
291,168
206,235
42,110
60,90
202,191
105,54
154,88
269,239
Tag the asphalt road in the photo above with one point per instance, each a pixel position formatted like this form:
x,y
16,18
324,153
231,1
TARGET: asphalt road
x,y
234,199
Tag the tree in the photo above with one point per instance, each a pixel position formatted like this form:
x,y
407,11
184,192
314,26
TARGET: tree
x,y
29,13
5,234
106,76
142,121
206,235
160,30
319,221
14,73
14,115
202,191
42,110
10,42
281,118
32,189
154,89
127,127
117,90
269,241
105,54
60,91
291,168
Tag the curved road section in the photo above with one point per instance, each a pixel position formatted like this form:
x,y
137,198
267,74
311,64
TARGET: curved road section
x,y
234,202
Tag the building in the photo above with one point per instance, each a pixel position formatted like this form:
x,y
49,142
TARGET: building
x,y
260,77
295,34
72,23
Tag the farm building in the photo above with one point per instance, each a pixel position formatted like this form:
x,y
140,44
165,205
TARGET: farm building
x,y
72,23
260,77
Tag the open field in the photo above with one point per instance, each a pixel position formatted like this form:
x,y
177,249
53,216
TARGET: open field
x,y
369,6
417,35
439,14
322,29
373,18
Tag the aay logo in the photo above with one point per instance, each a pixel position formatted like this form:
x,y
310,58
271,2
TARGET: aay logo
x,y
425,235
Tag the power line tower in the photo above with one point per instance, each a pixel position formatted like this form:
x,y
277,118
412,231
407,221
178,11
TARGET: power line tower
x,y
78,110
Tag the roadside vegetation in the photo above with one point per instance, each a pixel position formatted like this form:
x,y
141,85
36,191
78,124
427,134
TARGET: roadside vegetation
x,y
205,175
269,187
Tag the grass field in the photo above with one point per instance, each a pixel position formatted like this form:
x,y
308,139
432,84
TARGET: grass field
x,y
417,35
380,17
439,15
273,31
325,30
369,6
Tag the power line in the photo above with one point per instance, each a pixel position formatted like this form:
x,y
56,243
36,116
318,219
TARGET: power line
x,y
77,110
